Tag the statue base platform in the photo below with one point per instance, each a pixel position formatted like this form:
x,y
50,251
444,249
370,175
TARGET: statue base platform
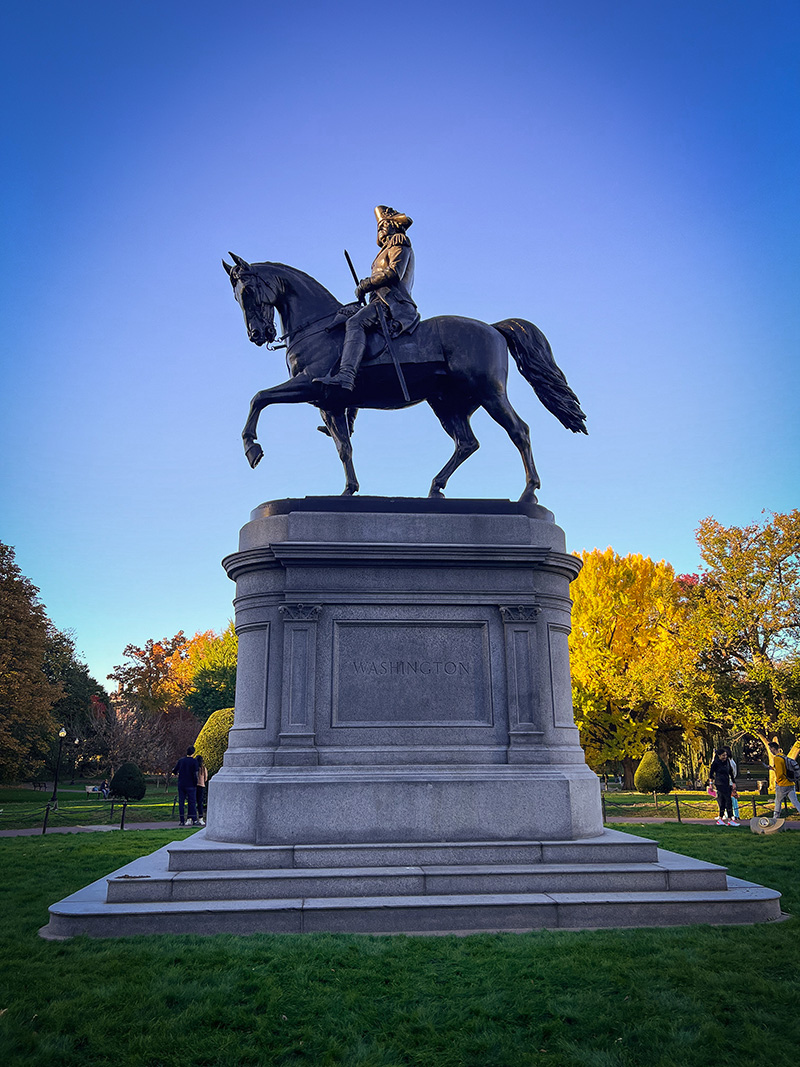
x,y
404,755
197,886
403,676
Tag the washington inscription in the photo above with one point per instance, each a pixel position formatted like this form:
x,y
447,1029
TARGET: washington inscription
x,y
404,673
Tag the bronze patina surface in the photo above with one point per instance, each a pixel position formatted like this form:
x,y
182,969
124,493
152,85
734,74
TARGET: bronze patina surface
x,y
379,354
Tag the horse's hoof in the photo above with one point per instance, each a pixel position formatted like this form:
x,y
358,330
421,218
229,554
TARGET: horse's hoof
x,y
435,494
254,453
529,497
351,490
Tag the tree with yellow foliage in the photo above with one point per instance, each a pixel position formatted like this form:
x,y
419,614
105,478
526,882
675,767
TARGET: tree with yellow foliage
x,y
627,656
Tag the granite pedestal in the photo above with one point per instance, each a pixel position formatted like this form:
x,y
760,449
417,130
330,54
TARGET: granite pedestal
x,y
404,755
403,676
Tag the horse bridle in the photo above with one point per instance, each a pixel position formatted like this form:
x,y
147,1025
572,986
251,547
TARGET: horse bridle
x,y
264,297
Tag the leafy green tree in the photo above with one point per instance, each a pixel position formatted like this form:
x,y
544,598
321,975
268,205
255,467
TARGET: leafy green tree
x,y
76,709
745,628
213,673
27,695
627,657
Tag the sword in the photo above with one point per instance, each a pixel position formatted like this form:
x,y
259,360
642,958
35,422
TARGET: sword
x,y
384,328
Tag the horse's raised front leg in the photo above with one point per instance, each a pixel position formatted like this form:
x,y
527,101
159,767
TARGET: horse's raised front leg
x,y
456,424
339,427
297,390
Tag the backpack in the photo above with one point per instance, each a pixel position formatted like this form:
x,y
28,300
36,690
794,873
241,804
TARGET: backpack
x,y
792,769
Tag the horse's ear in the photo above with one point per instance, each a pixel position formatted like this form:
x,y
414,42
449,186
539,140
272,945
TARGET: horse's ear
x,y
239,261
227,267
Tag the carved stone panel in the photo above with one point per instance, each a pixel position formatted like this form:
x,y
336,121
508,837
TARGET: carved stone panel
x,y
411,673
521,682
299,667
560,685
251,677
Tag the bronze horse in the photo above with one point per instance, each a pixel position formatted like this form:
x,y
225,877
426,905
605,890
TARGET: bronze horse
x,y
459,365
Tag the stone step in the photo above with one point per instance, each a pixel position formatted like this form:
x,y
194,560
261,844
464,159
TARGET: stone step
x,y
413,881
87,912
198,853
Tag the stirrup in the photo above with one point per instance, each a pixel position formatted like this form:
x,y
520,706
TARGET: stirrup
x,y
341,380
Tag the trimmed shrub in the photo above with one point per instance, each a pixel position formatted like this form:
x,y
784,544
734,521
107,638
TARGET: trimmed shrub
x,y
212,741
652,775
128,782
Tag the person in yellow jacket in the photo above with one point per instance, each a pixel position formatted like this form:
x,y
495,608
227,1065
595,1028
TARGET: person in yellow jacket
x,y
784,785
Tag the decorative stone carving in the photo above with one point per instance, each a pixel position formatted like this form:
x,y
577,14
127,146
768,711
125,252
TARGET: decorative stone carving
x,y
520,613
300,612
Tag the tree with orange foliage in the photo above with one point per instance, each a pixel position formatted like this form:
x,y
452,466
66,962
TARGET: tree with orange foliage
x,y
197,673
153,679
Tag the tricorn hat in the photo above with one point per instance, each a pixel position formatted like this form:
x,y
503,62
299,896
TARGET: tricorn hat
x,y
390,215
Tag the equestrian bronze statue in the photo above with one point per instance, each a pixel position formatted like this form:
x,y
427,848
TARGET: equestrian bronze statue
x,y
345,357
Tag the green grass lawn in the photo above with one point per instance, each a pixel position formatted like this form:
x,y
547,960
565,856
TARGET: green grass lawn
x,y
677,997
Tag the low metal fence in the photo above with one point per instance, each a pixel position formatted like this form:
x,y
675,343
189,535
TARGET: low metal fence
x,y
674,806
29,815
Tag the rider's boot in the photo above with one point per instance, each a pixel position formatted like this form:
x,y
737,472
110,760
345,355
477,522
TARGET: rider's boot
x,y
352,354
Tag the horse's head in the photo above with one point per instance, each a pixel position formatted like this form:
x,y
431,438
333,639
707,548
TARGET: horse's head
x,y
256,296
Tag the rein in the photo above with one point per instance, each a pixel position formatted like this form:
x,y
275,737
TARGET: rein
x,y
300,330
296,334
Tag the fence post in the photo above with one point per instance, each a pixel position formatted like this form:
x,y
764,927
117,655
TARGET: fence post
x,y
111,813
46,817
678,808
655,800
174,802
754,807
602,804
122,821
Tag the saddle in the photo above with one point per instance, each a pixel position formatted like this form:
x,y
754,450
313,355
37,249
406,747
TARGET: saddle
x,y
421,345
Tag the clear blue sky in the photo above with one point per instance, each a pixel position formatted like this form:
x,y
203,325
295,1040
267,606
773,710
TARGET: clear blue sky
x,y
625,174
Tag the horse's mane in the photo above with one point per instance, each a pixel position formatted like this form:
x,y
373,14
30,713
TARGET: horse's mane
x,y
299,278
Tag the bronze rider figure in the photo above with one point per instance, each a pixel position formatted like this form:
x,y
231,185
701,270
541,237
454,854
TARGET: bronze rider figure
x,y
390,282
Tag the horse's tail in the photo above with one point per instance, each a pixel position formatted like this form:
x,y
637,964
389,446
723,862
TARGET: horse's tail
x,y
534,358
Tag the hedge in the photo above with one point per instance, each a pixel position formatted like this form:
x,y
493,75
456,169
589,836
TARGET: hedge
x,y
212,741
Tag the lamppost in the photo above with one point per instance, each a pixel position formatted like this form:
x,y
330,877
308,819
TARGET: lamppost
x,y
62,733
